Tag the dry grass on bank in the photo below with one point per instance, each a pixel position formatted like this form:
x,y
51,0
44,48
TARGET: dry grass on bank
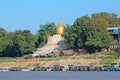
x,y
78,60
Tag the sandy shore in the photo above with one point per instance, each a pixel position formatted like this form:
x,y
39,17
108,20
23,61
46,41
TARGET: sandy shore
x,y
56,61
50,62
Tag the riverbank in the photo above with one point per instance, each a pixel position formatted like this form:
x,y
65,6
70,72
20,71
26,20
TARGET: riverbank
x,y
63,67
50,62
77,60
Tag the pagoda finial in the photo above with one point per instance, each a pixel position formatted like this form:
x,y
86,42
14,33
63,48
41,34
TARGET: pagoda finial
x,y
60,20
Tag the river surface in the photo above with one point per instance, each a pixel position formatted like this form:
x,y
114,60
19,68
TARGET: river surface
x,y
60,75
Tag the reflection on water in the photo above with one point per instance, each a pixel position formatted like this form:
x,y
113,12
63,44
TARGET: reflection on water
x,y
60,75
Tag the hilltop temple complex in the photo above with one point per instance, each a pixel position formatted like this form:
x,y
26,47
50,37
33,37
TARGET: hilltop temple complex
x,y
55,42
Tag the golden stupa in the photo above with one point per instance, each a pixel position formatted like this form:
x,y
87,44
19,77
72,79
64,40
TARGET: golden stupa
x,y
60,28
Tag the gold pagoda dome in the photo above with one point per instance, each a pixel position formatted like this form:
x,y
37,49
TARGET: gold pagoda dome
x,y
60,28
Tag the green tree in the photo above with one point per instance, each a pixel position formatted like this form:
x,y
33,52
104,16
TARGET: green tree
x,y
80,29
12,49
3,40
88,33
111,19
3,32
97,36
75,35
30,42
22,42
45,31
70,36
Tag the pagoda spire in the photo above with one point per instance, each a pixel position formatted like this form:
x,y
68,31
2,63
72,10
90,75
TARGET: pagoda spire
x,y
60,22
60,28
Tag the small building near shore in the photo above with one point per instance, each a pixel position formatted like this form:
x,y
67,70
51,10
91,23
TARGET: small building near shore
x,y
115,32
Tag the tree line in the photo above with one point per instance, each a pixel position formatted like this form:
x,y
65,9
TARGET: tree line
x,y
16,43
86,32
90,33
